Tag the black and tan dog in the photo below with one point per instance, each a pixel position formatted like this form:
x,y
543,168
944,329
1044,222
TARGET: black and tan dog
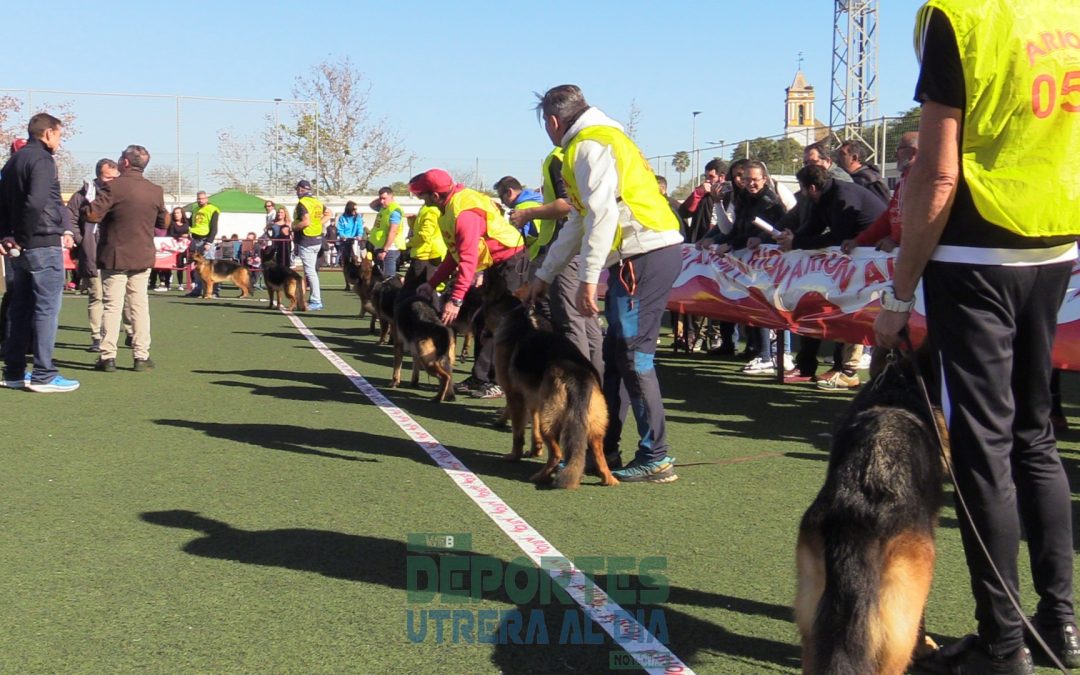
x,y
216,271
546,379
281,280
463,324
865,554
367,275
350,268
419,328
384,295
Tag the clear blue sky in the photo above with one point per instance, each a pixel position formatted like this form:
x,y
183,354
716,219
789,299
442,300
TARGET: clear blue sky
x,y
455,79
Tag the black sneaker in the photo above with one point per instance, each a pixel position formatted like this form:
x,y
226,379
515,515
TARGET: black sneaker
x,y
106,365
1062,639
488,390
128,340
143,365
969,657
95,346
468,385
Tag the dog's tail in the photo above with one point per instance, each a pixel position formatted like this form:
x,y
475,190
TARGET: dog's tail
x,y
579,423
843,631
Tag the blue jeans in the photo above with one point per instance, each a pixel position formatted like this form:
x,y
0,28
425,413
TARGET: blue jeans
x,y
37,285
309,256
767,349
389,263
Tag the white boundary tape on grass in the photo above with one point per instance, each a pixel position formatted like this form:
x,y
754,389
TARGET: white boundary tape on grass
x,y
620,624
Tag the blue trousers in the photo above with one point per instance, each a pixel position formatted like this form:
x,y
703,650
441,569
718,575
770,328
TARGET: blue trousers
x,y
37,285
634,312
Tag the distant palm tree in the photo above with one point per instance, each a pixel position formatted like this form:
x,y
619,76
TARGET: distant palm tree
x,y
681,162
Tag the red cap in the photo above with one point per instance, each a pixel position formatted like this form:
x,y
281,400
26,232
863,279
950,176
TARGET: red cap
x,y
432,180
17,145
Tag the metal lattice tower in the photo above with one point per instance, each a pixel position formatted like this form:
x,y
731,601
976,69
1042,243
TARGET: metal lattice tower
x,y
854,68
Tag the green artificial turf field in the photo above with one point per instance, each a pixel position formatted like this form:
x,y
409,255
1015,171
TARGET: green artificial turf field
x,y
243,508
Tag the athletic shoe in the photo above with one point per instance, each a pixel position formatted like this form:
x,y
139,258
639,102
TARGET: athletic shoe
x,y
758,365
106,365
314,306
161,289
864,360
143,365
57,385
836,380
1062,639
789,362
660,471
488,390
95,346
16,384
193,294
468,385
969,657
128,340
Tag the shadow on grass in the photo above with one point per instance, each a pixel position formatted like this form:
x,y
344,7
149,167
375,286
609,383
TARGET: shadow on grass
x,y
385,562
321,386
344,444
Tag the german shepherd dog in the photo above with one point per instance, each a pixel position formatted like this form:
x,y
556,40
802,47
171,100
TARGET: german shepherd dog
x,y
383,298
547,379
865,553
367,275
216,271
463,323
350,269
283,280
419,329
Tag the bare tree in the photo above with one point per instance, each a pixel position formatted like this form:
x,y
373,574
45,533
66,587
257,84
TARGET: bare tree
x,y
242,163
633,118
353,148
166,176
13,125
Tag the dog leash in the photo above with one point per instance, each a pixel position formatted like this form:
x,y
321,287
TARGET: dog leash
x,y
1013,600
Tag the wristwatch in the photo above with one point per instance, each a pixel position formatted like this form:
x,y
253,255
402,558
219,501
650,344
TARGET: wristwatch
x,y
456,303
890,302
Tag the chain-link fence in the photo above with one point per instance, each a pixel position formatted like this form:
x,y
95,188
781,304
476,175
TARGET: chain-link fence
x,y
783,154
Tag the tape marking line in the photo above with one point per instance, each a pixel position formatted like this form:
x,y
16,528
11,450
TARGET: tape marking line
x,y
618,623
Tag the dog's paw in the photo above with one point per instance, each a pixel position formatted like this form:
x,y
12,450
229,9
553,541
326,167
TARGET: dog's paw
x,y
535,451
610,481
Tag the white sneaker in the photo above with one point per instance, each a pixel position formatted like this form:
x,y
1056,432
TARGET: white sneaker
x,y
789,362
758,366
864,361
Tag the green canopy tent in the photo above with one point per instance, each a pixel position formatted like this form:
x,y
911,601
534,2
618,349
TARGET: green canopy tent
x,y
240,213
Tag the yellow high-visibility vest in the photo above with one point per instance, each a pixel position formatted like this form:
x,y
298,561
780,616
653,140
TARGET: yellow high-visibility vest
x,y
381,230
315,212
545,227
427,241
1021,131
498,227
200,219
637,182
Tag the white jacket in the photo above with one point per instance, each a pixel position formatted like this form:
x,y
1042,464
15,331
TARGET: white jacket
x,y
593,234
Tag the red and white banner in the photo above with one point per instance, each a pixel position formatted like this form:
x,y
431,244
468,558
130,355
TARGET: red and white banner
x,y
165,250
823,294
